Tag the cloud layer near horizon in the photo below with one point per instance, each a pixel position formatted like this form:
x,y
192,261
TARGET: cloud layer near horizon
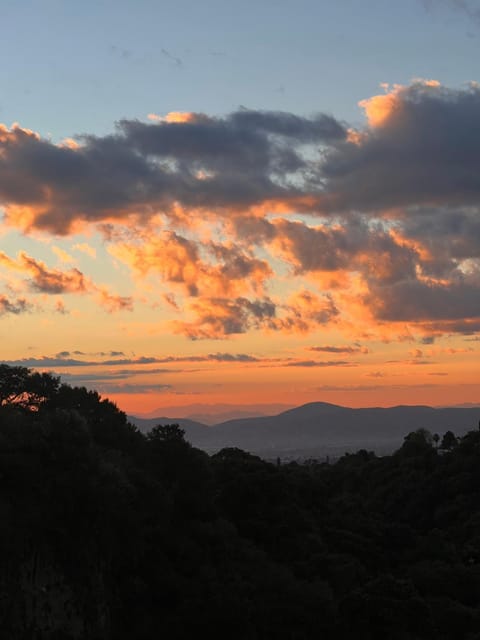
x,y
268,220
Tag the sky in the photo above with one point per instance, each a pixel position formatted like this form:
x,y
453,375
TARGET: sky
x,y
243,203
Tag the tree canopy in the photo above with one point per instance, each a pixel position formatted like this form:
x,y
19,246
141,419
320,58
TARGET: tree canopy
x,y
111,534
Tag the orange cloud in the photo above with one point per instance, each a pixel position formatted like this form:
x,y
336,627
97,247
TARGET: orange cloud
x,y
255,206
42,279
112,302
177,117
218,318
381,108
378,109
210,268
63,255
85,248
305,311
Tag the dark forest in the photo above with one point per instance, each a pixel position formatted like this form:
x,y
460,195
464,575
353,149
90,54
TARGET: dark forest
x,y
107,533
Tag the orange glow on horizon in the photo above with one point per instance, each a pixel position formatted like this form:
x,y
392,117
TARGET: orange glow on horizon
x,y
358,396
276,259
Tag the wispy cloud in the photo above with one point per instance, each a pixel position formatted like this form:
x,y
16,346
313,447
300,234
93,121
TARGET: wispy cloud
x,y
42,279
65,359
320,363
20,305
166,54
339,349
112,388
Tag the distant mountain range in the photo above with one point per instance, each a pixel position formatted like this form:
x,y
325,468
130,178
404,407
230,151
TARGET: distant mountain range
x,y
319,429
216,413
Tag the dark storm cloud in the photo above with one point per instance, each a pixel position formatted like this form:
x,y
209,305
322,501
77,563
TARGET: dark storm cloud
x,y
413,300
320,127
424,150
467,326
449,235
244,159
354,246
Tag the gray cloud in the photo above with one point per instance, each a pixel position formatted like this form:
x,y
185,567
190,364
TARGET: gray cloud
x,y
412,300
230,357
20,305
132,388
42,279
217,318
176,61
320,363
375,387
346,248
465,326
48,361
121,374
425,152
244,159
449,235
63,359
339,349
53,281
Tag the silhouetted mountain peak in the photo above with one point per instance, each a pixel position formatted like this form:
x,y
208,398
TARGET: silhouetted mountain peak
x,y
313,409
316,428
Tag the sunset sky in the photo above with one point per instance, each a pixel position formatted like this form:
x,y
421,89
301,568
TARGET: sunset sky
x,y
225,203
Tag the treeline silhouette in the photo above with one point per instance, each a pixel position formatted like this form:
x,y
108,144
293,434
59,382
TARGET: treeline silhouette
x,y
110,534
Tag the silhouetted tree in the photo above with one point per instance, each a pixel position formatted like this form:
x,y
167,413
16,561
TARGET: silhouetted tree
x,y
167,432
417,443
449,441
24,388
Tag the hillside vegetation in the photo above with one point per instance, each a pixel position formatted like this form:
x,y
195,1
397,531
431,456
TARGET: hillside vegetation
x,y
111,534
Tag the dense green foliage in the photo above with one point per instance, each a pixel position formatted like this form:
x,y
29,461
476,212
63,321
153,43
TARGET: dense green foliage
x,y
107,533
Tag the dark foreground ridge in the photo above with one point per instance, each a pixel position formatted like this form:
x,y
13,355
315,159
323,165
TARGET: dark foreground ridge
x,y
110,534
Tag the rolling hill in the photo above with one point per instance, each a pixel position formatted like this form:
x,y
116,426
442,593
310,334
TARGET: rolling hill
x,y
319,429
